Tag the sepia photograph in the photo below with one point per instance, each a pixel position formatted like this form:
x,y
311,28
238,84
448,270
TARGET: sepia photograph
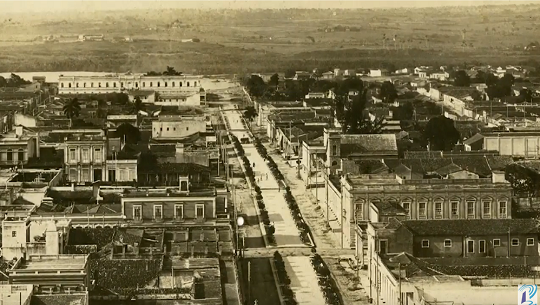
x,y
269,152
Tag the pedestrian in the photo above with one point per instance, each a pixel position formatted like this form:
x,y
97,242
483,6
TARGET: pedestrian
x,y
266,176
253,164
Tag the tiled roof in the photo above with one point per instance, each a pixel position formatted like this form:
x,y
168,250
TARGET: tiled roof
x,y
58,299
475,227
388,208
365,143
475,164
499,162
477,137
184,168
448,169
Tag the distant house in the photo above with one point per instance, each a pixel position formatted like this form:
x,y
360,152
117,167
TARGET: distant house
x,y
439,75
328,75
375,73
91,37
302,75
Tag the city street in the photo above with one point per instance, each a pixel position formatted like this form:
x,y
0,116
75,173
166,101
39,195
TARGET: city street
x,y
286,233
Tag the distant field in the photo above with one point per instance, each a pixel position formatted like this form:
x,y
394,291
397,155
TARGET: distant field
x,y
268,41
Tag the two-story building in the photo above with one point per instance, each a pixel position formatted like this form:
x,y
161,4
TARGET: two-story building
x,y
17,146
85,156
430,199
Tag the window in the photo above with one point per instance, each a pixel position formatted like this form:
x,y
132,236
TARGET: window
x,y
502,209
334,150
383,246
73,174
137,212
422,209
530,241
62,85
455,208
121,84
173,84
187,84
158,84
136,85
151,84
10,155
407,207
165,84
20,155
438,209
77,85
144,84
425,243
97,155
91,85
194,84
470,207
180,84
158,209
179,211
107,84
496,243
200,210
448,243
86,155
13,233
86,175
84,85
187,128
69,85
486,208
482,246
515,242
99,85
114,84
470,246
72,154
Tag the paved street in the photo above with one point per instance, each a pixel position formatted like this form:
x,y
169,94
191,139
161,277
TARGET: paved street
x,y
303,280
286,233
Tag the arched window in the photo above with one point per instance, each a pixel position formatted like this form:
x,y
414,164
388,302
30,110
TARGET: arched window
x,y
194,84
136,85
77,85
151,84
84,85
454,207
503,208
69,85
158,84
99,85
144,84
486,207
61,85
107,84
165,84
121,84
173,84
180,84
91,85
114,84
471,207
187,84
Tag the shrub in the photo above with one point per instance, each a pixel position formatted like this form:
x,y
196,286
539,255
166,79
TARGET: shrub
x,y
284,279
326,283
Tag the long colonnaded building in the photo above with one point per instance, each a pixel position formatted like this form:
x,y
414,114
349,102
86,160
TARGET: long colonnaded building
x,y
181,89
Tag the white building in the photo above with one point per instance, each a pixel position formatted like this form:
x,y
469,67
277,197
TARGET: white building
x,y
162,84
177,127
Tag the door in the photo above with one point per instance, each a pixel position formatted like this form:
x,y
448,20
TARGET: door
x,y
97,174
482,246
112,175
470,247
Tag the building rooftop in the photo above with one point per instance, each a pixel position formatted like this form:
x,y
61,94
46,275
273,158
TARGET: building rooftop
x,y
76,298
52,262
365,143
472,227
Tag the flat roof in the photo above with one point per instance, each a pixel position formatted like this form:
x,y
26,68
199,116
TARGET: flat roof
x,y
68,262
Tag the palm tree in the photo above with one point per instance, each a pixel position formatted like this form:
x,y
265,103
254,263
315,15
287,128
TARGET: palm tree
x,y
137,105
72,109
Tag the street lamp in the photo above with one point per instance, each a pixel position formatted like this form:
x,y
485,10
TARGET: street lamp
x,y
239,223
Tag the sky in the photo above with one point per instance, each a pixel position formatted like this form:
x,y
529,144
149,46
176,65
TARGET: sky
x,y
87,5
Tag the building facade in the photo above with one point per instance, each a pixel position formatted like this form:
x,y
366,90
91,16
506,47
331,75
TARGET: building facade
x,y
174,127
85,158
120,83
430,199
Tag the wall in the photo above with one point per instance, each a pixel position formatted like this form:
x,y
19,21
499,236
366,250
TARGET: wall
x,y
12,246
180,99
25,120
168,204
124,170
384,287
118,83
518,145
177,129
150,98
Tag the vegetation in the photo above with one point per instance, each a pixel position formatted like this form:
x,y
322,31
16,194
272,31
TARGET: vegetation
x,y
72,109
354,120
326,283
137,105
462,79
250,114
284,279
441,133
13,81
128,133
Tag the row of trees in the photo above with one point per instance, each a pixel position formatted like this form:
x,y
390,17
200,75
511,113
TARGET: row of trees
x,y
13,81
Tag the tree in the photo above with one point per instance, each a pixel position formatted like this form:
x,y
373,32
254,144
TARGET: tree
x,y
171,71
274,80
16,81
407,111
462,79
349,84
250,113
72,109
356,122
290,73
122,98
3,82
256,86
137,105
101,111
388,92
526,95
441,133
128,133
